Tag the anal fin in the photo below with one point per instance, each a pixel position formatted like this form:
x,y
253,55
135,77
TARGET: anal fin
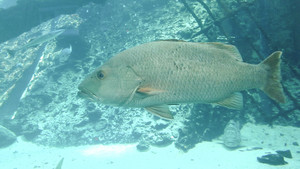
x,y
235,101
161,111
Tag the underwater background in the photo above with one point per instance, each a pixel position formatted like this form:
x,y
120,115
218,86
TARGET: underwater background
x,y
38,83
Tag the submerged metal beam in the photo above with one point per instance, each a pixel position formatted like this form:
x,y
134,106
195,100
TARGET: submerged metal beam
x,y
218,24
196,19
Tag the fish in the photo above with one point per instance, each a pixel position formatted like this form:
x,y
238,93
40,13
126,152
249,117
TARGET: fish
x,y
65,54
38,41
232,136
157,74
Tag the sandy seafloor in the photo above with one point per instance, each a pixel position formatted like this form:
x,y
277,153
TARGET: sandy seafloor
x,y
206,155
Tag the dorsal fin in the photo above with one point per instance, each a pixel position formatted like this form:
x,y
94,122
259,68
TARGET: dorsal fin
x,y
172,40
231,49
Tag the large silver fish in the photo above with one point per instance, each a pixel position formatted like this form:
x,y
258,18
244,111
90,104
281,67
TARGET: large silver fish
x,y
161,73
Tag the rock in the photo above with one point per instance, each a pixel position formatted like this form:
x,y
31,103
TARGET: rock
x,y
161,124
101,124
143,146
31,131
286,153
137,132
272,159
185,141
94,116
162,141
7,137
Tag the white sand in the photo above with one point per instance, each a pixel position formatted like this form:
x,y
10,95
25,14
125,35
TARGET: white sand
x,y
206,155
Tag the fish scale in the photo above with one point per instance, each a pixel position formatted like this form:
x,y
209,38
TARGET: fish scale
x,y
164,82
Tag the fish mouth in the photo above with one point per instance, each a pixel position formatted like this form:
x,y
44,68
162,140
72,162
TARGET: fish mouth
x,y
85,93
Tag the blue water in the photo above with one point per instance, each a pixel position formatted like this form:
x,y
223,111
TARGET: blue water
x,y
38,84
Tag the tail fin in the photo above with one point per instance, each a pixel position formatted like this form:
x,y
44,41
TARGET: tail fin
x,y
273,86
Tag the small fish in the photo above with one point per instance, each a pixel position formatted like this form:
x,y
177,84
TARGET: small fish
x,y
38,41
232,136
161,73
64,54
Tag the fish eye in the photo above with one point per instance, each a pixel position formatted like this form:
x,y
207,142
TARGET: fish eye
x,y
100,75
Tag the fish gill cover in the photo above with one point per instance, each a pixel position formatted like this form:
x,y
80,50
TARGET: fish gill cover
x,y
50,113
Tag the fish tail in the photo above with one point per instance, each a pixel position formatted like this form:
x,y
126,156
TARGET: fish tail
x,y
273,87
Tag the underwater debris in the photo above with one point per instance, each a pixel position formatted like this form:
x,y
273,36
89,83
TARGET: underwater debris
x,y
272,159
18,91
59,165
251,149
286,153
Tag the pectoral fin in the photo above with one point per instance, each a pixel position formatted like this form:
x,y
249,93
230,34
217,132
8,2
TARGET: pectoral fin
x,y
149,91
161,111
235,101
